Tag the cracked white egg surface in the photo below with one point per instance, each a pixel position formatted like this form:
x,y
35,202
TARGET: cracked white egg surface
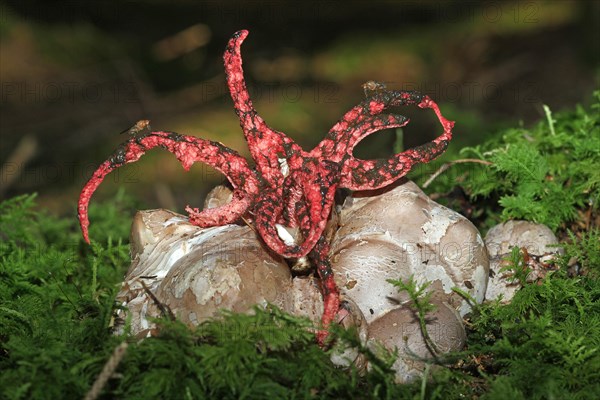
x,y
537,239
401,232
395,234
194,272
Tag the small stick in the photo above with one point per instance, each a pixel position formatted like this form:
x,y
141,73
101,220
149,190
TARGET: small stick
x,y
248,223
165,310
107,371
14,165
447,165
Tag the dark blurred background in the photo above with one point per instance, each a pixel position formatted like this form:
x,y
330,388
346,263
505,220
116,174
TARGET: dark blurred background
x,y
76,74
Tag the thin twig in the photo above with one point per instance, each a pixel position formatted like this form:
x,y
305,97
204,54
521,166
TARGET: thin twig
x,y
249,224
15,164
108,370
165,310
447,165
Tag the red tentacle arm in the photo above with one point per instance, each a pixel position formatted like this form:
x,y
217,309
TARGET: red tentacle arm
x,y
374,174
188,150
363,120
343,137
331,295
267,146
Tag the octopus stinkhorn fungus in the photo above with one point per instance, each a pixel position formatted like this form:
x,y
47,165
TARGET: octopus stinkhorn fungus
x,y
289,187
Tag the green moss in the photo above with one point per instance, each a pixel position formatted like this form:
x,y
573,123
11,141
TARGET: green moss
x,y
545,343
53,322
